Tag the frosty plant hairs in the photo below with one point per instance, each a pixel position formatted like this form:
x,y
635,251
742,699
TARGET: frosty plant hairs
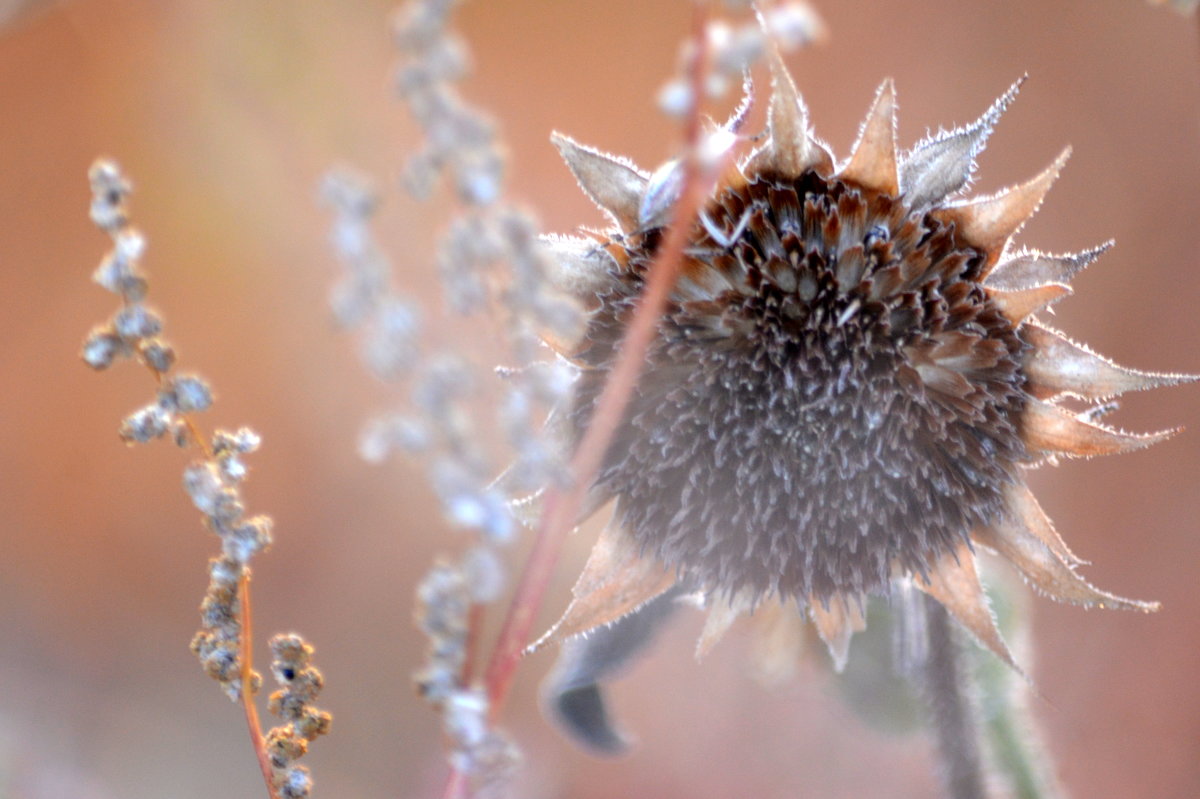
x,y
805,387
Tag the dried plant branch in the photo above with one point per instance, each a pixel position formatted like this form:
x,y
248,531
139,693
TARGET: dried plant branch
x,y
248,705
224,643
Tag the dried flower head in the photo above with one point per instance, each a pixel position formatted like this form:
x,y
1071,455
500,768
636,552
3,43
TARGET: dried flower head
x,y
845,389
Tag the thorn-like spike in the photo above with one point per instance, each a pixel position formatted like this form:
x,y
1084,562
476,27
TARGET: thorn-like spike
x,y
1046,572
1050,429
1024,507
836,626
722,613
579,267
612,183
989,222
1057,365
872,163
527,507
1017,306
791,148
1028,269
942,165
954,582
738,119
616,580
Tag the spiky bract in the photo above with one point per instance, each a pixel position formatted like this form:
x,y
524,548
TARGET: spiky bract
x,y
845,387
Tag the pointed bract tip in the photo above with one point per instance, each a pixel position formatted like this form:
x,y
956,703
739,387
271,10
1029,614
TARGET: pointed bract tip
x,y
791,148
988,223
613,183
1017,306
997,109
1047,573
738,119
954,582
1028,269
942,165
836,625
873,163
722,613
1056,365
1024,507
615,582
1055,431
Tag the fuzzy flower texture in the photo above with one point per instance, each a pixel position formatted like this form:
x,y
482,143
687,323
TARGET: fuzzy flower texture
x,y
842,397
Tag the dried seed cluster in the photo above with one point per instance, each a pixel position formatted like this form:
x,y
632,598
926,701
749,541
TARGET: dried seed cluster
x,y
213,483
845,388
300,684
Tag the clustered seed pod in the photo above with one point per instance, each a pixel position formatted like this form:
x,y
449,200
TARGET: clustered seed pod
x,y
844,389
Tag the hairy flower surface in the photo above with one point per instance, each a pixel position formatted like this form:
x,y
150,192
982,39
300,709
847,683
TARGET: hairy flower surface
x,y
846,387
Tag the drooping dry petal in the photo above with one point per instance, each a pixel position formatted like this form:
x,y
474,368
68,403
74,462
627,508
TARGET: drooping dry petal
x,y
615,581
613,183
1029,269
1057,365
872,163
836,625
937,168
954,582
574,690
988,223
1053,430
791,148
1047,572
1018,305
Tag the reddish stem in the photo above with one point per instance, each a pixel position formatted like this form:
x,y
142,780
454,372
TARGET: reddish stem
x,y
245,644
246,653
456,785
475,618
562,507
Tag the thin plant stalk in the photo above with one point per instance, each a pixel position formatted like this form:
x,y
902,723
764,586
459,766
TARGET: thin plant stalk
x,y
252,723
562,507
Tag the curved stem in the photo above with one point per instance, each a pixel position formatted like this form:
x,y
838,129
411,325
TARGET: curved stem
x,y
246,653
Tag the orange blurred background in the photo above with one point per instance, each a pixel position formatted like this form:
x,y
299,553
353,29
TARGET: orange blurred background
x,y
226,114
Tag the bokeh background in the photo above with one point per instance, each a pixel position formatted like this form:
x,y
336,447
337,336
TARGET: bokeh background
x,y
226,115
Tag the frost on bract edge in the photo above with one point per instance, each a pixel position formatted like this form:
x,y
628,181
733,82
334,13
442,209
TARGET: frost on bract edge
x,y
845,389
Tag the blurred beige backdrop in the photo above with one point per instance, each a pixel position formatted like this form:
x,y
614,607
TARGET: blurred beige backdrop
x,y
226,114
